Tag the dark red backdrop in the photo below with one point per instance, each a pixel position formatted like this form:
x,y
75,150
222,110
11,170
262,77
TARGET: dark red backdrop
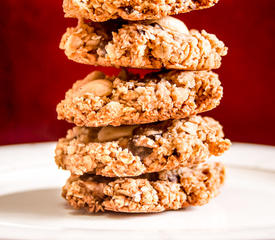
x,y
35,73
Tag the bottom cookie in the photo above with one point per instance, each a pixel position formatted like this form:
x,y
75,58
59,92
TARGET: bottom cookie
x,y
154,192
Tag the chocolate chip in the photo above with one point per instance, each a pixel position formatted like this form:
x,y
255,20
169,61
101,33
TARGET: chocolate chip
x,y
140,151
153,177
141,31
128,9
153,137
176,153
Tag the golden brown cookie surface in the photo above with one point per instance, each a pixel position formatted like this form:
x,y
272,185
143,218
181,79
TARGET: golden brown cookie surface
x,y
138,149
163,43
127,99
157,192
103,10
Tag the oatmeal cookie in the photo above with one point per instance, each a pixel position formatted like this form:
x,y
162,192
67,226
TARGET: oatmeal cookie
x,y
138,149
163,43
127,99
155,192
103,10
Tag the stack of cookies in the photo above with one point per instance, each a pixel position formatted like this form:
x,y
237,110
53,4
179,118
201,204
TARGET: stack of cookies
x,y
138,145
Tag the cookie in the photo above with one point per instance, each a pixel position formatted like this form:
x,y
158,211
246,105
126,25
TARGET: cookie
x,y
103,10
127,99
155,192
138,149
164,43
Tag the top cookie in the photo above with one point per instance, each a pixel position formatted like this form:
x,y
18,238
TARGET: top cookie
x,y
103,10
155,44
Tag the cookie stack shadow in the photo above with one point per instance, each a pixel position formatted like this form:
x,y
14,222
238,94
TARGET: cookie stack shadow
x,y
138,144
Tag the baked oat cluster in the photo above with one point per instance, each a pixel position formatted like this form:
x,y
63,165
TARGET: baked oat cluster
x,y
152,44
133,10
138,145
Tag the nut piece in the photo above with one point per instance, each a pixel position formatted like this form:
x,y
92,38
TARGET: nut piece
x,y
73,43
94,76
99,87
111,133
96,188
172,24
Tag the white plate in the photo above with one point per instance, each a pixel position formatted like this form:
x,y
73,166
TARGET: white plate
x,y
31,206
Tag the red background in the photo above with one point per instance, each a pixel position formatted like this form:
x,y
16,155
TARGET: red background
x,y
35,74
